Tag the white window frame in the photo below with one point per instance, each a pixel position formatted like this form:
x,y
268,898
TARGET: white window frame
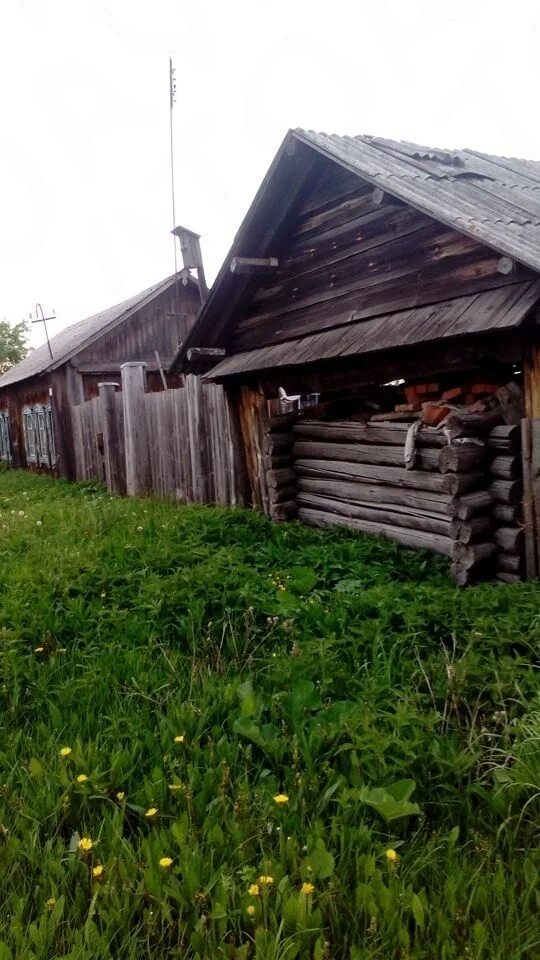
x,y
49,427
30,434
5,444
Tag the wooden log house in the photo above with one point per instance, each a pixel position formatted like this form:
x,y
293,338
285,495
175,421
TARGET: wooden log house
x,y
392,284
37,396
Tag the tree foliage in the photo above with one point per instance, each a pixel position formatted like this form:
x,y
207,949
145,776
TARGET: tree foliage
x,y
13,344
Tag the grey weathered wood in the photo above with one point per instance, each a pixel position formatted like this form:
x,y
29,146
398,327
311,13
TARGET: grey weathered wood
x,y
113,445
278,442
505,577
507,468
462,457
469,531
282,493
509,562
505,265
362,453
471,554
197,353
197,437
281,423
395,476
396,416
281,476
283,510
136,441
509,539
470,504
530,433
260,266
378,512
350,432
407,538
471,424
505,491
367,495
506,514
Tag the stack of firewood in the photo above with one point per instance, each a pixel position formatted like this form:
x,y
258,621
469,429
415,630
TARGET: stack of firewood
x,y
504,444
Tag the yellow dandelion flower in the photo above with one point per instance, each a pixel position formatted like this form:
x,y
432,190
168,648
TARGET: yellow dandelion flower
x,y
254,890
51,902
180,738
266,881
166,862
151,813
120,796
85,844
281,798
98,871
65,751
307,888
251,911
391,855
82,778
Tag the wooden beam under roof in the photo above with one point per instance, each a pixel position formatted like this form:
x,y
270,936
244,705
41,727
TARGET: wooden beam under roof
x,y
259,266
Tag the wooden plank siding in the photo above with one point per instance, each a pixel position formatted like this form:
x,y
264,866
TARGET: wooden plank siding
x,y
189,462
349,255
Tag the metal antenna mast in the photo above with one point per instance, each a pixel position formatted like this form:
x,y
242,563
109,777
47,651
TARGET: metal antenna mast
x,y
172,99
43,319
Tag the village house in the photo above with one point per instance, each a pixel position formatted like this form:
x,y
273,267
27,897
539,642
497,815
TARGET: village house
x,y
38,395
396,287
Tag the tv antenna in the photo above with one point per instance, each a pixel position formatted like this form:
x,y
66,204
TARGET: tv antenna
x,y
43,319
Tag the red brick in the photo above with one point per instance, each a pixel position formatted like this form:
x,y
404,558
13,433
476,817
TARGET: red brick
x,y
433,415
479,388
454,394
411,394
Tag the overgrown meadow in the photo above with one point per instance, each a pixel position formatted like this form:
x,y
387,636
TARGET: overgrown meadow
x,y
226,739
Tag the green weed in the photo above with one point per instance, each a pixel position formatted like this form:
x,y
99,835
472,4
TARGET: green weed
x,y
226,739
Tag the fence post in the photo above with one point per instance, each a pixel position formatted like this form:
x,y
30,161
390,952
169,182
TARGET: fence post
x,y
197,436
138,476
112,441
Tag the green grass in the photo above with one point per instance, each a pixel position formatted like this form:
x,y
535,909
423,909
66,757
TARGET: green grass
x,y
395,712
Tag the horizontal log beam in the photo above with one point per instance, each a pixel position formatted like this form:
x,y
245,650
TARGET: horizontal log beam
x,y
407,538
450,483
509,562
433,504
509,539
350,432
470,504
506,491
469,555
363,453
260,266
506,514
471,531
460,457
507,468
212,353
378,513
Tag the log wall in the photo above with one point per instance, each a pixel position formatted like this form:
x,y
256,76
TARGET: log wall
x,y
355,475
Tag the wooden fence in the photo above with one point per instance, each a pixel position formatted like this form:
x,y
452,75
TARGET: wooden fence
x,y
177,444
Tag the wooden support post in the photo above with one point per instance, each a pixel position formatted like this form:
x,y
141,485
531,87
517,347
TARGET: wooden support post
x,y
115,468
138,475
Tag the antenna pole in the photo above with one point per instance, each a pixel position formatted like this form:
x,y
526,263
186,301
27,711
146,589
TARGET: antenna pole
x,y
43,319
172,97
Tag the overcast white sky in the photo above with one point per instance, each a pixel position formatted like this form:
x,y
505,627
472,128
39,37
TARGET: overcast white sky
x,y
85,208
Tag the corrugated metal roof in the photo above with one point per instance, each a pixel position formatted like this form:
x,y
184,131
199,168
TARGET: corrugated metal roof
x,y
493,310
78,335
494,199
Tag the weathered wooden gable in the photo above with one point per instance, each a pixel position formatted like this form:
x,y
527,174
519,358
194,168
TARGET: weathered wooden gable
x,y
353,251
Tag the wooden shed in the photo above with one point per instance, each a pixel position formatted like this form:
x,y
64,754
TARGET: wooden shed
x,y
38,395
395,286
